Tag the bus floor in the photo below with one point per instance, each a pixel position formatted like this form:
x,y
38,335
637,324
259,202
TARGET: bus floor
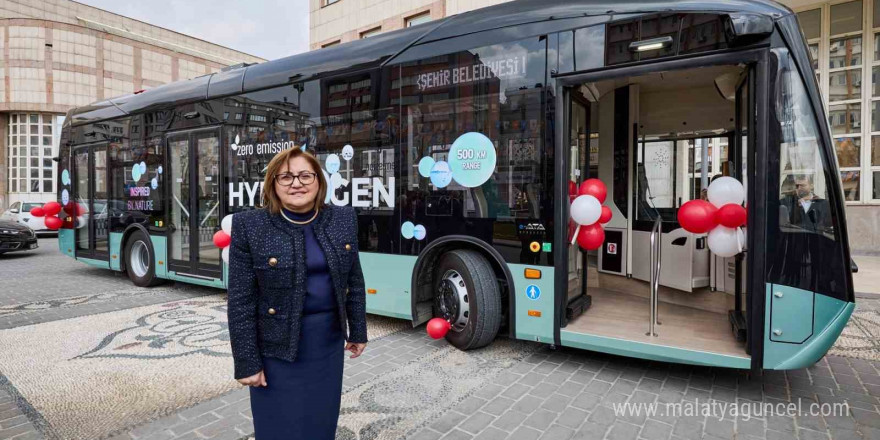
x,y
620,315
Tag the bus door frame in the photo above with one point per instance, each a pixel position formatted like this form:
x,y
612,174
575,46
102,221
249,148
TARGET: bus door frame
x,y
91,253
758,164
572,95
192,268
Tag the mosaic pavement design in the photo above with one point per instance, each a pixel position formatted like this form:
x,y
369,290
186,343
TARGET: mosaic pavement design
x,y
72,301
861,337
394,405
94,375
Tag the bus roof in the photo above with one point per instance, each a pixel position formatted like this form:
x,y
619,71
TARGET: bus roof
x,y
376,50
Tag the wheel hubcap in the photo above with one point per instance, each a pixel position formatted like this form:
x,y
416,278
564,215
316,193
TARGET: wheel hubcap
x,y
140,259
453,301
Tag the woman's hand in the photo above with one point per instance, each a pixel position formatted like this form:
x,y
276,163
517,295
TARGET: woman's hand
x,y
355,348
257,380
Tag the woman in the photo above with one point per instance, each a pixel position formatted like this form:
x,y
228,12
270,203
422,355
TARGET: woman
x,y
295,291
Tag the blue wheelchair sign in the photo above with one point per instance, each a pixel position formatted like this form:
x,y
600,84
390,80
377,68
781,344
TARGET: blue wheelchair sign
x,y
533,292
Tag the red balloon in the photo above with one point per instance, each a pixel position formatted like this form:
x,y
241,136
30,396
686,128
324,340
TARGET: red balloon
x,y
438,327
222,239
53,223
52,208
731,215
591,237
37,211
605,217
697,216
595,188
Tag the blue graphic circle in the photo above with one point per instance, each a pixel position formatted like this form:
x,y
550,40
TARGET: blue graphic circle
x,y
336,180
154,183
65,177
407,229
472,159
143,166
136,172
441,175
419,232
425,165
65,197
533,292
159,170
330,189
332,163
347,152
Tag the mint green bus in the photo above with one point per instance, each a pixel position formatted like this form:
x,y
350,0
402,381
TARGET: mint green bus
x,y
462,143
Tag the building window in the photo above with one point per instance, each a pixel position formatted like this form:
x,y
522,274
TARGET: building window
x,y
332,43
31,140
330,2
846,57
371,32
424,17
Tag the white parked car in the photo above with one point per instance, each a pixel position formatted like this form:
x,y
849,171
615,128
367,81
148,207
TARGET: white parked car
x,y
20,212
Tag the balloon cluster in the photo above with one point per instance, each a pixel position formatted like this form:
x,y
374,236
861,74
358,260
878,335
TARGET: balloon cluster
x,y
588,213
46,215
223,237
722,216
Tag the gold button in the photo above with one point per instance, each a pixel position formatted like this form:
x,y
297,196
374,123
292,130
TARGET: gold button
x,y
271,311
273,261
347,247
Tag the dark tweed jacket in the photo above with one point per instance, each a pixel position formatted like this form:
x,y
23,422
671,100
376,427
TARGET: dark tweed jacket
x,y
267,270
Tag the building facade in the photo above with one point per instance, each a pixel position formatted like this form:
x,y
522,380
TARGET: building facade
x,y
59,54
844,36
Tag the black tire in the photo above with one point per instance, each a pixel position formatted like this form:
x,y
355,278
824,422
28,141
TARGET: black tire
x,y
140,242
483,297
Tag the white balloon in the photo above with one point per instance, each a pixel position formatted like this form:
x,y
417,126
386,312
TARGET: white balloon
x,y
586,210
37,223
726,242
226,224
225,254
726,190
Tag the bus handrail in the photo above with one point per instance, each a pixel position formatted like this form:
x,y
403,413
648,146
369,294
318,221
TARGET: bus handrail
x,y
656,238
180,204
208,215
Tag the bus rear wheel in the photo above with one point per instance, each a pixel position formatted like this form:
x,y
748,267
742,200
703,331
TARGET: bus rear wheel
x,y
139,260
467,295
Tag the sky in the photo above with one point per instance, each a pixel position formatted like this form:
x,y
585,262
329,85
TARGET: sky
x,y
264,28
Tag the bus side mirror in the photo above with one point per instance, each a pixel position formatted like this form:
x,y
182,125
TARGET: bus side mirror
x,y
853,266
745,28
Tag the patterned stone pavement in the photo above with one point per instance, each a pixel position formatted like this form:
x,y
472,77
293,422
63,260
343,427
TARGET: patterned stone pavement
x,y
407,386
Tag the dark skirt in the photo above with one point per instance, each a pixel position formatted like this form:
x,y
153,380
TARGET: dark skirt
x,y
301,399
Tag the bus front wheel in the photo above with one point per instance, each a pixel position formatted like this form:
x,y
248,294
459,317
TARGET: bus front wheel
x,y
467,295
139,260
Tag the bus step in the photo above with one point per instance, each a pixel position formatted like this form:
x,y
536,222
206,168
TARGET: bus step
x,y
737,324
578,307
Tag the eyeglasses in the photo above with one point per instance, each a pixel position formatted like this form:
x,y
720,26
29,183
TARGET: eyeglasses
x,y
286,179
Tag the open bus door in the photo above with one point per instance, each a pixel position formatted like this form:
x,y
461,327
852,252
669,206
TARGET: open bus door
x,y
195,186
662,133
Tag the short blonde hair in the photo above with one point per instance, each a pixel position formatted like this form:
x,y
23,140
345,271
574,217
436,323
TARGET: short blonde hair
x,y
271,201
